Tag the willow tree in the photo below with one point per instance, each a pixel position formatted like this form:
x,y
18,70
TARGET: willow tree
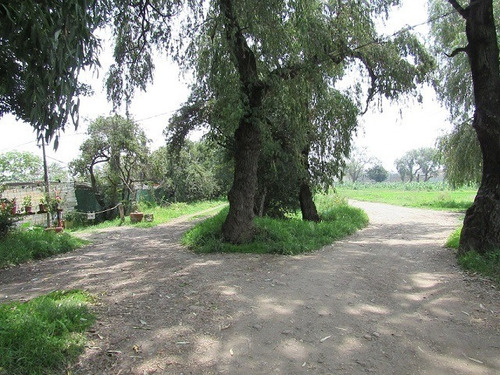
x,y
43,47
461,153
277,101
247,55
481,230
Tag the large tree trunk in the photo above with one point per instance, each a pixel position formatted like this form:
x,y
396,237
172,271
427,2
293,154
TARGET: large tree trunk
x,y
481,231
307,205
238,227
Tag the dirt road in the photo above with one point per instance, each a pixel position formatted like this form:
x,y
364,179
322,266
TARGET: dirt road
x,y
387,300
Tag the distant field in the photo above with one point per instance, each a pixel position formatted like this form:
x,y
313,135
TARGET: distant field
x,y
424,195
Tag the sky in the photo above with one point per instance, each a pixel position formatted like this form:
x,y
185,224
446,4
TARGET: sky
x,y
386,132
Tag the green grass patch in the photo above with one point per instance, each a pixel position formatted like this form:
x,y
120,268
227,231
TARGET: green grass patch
x,y
289,237
423,195
44,335
162,214
486,265
453,241
35,243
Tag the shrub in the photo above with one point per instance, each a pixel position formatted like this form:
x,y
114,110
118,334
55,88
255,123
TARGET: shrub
x,y
7,218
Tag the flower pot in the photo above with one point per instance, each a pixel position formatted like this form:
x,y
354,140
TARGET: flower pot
x,y
42,208
28,210
136,217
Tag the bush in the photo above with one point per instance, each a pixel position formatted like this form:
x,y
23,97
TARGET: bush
x,y
7,218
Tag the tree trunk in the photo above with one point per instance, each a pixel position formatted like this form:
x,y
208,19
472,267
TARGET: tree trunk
x,y
307,205
238,227
481,231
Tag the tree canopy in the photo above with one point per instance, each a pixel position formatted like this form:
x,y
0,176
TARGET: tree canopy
x,y
460,149
112,157
43,47
19,166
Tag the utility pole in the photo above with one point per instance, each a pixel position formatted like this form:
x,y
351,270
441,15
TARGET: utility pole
x,y
47,182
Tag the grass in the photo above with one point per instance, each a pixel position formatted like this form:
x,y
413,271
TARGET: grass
x,y
289,237
422,195
44,335
162,214
34,243
486,265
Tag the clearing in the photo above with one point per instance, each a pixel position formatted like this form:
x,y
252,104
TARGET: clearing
x,y
387,300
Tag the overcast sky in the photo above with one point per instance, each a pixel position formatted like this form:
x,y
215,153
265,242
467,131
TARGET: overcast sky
x,y
386,134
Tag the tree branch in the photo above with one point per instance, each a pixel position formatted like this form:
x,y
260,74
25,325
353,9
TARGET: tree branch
x,y
456,51
464,12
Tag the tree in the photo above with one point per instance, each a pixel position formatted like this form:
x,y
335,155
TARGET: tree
x,y
44,46
377,173
113,157
357,163
460,150
276,49
407,165
19,166
481,230
193,172
428,163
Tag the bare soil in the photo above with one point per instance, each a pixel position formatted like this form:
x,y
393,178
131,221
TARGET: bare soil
x,y
387,300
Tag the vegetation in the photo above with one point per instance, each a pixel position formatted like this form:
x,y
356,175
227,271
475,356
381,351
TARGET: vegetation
x,y
475,36
460,150
19,166
377,173
44,48
423,195
112,157
189,172
162,214
21,245
487,265
282,236
7,217
44,335
422,163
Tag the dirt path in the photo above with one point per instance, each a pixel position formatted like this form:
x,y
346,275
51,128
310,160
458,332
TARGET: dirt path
x,y
387,300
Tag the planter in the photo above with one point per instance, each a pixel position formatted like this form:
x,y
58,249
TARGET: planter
x,y
42,208
14,209
28,210
136,217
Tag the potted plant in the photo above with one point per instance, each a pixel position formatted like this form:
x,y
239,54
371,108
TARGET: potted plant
x,y
43,205
27,203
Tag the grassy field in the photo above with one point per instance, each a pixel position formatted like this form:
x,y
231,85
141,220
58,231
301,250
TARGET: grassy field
x,y
44,335
423,195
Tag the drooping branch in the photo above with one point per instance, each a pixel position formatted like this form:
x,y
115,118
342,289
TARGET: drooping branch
x,y
373,78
